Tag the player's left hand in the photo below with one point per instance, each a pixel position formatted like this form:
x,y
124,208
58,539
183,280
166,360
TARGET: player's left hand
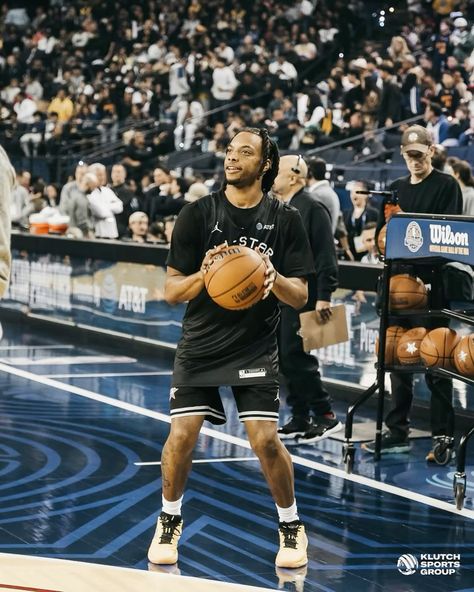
x,y
323,308
270,275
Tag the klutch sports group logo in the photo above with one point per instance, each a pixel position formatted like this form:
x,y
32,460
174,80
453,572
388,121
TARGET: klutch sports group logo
x,y
429,564
407,565
413,237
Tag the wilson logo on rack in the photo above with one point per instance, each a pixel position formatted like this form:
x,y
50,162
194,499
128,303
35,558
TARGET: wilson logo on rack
x,y
444,240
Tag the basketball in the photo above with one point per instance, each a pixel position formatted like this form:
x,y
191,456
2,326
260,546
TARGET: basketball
x,y
464,355
381,239
437,348
392,338
235,278
408,349
406,292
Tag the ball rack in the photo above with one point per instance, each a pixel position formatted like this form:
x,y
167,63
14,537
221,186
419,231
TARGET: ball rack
x,y
424,239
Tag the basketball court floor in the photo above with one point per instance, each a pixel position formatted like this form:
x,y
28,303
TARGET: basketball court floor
x,y
81,432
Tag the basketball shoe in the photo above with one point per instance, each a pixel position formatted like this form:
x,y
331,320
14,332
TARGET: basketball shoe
x,y
296,426
293,545
321,427
391,444
164,546
295,576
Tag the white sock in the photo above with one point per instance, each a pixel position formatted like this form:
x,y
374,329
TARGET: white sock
x,y
172,508
287,514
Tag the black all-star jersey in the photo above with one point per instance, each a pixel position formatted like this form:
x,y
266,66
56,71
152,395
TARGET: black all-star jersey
x,y
226,347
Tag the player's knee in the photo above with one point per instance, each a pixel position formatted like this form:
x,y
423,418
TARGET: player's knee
x,y
181,439
267,445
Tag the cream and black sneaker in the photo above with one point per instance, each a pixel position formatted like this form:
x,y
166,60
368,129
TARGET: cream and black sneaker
x,y
164,546
293,545
295,576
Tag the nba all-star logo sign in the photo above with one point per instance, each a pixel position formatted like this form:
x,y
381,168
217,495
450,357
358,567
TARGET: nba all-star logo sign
x,y
413,237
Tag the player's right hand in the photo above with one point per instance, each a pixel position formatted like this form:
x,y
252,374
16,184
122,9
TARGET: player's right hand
x,y
208,258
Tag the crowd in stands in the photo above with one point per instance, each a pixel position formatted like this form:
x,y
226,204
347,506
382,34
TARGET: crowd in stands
x,y
155,77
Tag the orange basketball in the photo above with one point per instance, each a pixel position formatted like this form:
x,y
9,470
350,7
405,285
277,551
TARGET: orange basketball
x,y
392,338
464,355
381,239
437,348
235,278
408,349
407,291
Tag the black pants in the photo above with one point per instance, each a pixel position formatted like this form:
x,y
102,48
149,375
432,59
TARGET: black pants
x,y
441,389
306,393
442,415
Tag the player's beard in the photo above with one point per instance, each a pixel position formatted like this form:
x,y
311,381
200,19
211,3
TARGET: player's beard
x,y
245,180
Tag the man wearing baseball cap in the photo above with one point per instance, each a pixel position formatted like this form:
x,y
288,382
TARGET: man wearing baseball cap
x,y
424,191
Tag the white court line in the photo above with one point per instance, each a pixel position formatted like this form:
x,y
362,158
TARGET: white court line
x,y
201,460
298,460
69,360
17,347
109,374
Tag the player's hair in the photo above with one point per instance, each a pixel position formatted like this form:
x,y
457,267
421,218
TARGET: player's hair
x,y
269,153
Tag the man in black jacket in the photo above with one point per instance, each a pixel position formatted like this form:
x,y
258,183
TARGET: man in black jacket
x,y
125,194
312,416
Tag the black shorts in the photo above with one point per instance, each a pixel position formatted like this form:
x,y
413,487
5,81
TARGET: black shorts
x,y
254,401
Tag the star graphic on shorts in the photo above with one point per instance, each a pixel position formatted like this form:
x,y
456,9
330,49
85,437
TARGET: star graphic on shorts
x,y
411,347
462,355
173,391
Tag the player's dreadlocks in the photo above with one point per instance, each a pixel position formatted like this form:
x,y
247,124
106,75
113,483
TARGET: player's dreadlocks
x,y
269,153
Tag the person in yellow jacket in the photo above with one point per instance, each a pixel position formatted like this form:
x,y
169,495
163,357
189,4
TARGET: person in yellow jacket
x,y
62,105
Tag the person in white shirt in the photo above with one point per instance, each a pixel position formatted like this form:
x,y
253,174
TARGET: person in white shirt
x,y
25,108
225,52
284,71
223,88
320,189
103,201
7,181
305,49
178,81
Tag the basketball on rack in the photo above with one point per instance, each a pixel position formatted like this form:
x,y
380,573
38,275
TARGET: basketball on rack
x,y
464,355
381,239
407,292
437,348
408,349
392,337
235,278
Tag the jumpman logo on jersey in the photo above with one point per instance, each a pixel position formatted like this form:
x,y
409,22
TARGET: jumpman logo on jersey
x,y
216,228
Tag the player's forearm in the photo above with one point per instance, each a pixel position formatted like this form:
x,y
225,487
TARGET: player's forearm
x,y
291,291
183,288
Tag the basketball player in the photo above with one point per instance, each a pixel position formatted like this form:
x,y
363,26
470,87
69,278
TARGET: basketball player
x,y
312,416
7,181
425,191
236,348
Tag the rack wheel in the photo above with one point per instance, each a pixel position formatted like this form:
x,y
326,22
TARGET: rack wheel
x,y
348,456
460,494
442,452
